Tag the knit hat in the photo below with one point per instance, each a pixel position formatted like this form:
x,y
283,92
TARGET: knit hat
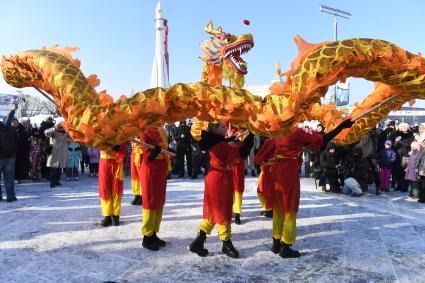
x,y
391,123
415,145
389,142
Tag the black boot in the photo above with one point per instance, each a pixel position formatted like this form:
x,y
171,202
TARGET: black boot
x,y
115,220
276,246
237,219
197,246
150,243
229,250
160,243
136,200
253,173
267,213
287,252
107,221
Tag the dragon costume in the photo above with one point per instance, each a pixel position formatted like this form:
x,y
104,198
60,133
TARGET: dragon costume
x,y
96,120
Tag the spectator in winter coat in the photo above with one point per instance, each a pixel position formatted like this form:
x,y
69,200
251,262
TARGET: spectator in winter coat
x,y
94,156
356,179
36,152
8,148
411,174
386,157
57,158
329,159
74,157
403,139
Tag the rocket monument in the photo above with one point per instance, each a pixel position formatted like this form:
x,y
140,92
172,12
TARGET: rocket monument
x,y
160,62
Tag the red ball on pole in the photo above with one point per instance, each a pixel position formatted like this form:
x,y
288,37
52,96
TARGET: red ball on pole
x,y
246,22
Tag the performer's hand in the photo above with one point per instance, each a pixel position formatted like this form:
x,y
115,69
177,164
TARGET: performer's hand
x,y
153,153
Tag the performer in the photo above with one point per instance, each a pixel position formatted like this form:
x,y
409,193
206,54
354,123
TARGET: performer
x,y
265,189
111,183
288,150
238,185
218,195
135,171
238,177
154,170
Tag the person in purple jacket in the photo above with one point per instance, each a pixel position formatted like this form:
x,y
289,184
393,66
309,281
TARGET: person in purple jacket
x,y
94,161
386,158
411,174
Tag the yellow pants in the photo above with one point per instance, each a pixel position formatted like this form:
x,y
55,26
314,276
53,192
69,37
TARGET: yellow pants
x,y
224,231
111,206
136,187
263,202
151,221
284,226
237,202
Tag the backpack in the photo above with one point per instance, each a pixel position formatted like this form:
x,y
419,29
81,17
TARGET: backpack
x,y
8,145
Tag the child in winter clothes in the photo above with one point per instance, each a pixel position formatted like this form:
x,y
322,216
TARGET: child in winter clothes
x,y
386,158
411,175
93,161
74,157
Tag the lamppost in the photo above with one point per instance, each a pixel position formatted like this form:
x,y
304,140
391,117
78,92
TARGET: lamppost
x,y
336,13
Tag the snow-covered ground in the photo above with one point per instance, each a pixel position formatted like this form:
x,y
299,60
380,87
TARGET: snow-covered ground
x,y
53,235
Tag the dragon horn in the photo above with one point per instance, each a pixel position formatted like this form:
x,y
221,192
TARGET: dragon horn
x,y
210,29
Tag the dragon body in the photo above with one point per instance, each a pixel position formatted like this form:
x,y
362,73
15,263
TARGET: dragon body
x,y
96,120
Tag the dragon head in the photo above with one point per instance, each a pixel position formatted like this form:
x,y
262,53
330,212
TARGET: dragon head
x,y
225,50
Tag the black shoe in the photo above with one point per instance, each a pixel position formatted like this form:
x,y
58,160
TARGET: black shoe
x,y
150,243
52,186
107,221
229,250
136,200
116,220
267,213
253,173
12,199
287,252
140,201
197,246
58,184
160,243
276,246
237,219
421,200
194,177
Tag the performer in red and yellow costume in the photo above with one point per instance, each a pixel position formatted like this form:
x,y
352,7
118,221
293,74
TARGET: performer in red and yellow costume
x,y
111,183
218,195
266,183
238,178
135,169
154,170
287,151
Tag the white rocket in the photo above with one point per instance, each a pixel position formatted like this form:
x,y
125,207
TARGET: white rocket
x,y
160,66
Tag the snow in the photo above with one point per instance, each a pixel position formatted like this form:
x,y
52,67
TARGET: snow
x,y
53,235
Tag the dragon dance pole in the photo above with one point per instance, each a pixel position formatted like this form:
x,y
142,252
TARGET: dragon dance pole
x,y
45,95
373,108
151,146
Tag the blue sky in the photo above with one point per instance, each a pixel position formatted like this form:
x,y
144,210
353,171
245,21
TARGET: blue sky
x,y
116,38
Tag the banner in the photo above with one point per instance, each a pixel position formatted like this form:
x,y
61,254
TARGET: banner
x,y
342,93
7,103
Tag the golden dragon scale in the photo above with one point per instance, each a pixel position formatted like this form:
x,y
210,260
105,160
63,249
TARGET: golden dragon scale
x,y
94,119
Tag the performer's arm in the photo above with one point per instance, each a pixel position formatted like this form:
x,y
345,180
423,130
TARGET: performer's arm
x,y
267,150
332,134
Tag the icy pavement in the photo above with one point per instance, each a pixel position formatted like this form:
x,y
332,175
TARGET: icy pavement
x,y
53,235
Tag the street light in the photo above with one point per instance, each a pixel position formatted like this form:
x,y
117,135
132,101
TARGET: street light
x,y
336,13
